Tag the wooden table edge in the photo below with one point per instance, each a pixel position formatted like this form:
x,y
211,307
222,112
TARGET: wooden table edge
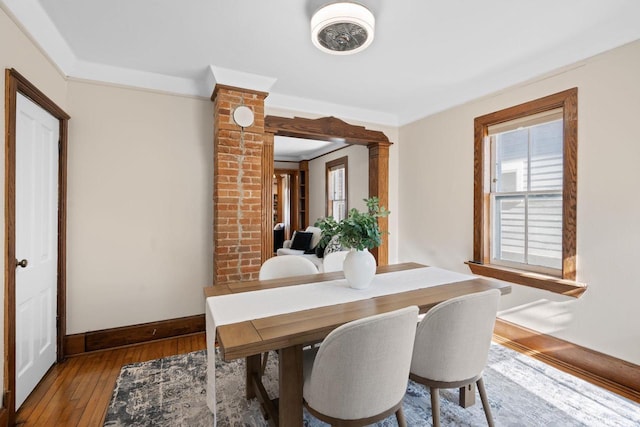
x,y
339,315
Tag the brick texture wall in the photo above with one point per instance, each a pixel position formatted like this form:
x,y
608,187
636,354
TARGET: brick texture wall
x,y
237,184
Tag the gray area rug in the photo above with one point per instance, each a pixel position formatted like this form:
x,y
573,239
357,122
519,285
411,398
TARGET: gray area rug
x,y
522,392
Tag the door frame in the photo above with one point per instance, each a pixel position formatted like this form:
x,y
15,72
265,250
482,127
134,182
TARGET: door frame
x,y
15,83
331,129
294,198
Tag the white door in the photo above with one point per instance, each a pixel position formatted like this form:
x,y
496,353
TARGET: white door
x,y
37,135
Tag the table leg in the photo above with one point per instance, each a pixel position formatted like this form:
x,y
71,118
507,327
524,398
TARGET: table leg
x,y
253,364
467,395
291,382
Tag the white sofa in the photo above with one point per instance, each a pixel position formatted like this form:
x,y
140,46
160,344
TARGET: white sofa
x,y
286,247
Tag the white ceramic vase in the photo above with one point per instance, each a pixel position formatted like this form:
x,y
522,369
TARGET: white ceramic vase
x,y
359,268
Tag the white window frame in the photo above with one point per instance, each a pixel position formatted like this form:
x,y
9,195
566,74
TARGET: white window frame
x,y
525,194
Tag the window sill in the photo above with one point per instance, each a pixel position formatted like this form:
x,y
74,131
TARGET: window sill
x,y
534,280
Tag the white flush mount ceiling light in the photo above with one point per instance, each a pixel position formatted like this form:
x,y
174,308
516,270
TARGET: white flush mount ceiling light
x,y
342,28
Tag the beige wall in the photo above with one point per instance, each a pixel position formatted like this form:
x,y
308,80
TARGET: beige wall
x,y
357,180
358,185
140,206
17,51
436,201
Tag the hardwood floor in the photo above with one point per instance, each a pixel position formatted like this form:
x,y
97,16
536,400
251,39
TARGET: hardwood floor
x,y
77,391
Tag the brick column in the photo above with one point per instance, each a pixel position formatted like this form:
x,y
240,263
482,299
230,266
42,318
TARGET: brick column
x,y
237,186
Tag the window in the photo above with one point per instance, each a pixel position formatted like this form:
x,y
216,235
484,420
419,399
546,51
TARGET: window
x,y
337,188
525,191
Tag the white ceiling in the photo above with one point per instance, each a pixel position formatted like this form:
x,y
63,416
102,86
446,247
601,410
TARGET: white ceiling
x,y
427,55
296,149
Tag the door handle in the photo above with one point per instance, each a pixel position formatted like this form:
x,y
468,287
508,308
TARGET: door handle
x,y
22,263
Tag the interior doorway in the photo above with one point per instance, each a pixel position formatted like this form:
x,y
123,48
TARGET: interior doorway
x,y
286,207
330,129
17,86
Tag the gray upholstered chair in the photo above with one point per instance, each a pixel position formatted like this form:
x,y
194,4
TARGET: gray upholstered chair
x,y
359,374
452,346
286,266
334,261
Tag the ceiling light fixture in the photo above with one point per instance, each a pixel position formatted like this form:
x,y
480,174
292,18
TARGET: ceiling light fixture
x,y
342,28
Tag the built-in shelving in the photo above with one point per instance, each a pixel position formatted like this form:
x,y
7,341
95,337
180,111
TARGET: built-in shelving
x,y
303,195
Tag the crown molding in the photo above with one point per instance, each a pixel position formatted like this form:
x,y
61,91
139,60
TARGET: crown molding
x,y
327,109
138,79
34,22
240,79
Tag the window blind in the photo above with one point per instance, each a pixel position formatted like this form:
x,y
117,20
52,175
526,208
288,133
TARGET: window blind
x,y
531,120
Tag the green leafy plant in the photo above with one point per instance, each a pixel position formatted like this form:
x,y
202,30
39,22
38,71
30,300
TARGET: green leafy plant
x,y
329,227
360,230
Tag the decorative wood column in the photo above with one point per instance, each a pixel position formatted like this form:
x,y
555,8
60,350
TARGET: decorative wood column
x,y
237,186
267,197
379,186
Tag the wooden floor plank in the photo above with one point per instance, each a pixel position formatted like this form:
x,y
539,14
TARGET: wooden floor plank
x,y
44,394
55,409
77,391
102,394
32,405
